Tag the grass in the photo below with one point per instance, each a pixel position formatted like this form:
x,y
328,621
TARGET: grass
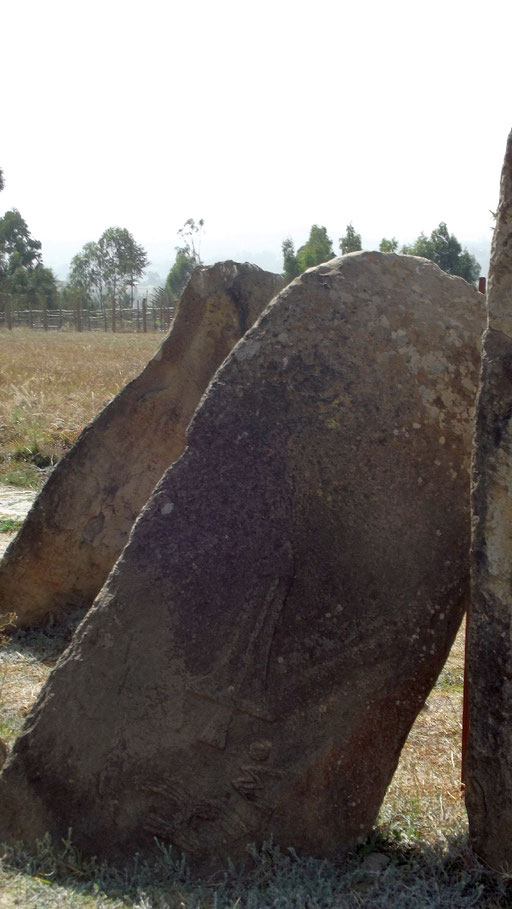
x,y
9,525
51,385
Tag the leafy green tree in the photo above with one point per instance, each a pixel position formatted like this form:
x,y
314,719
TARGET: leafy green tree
x,y
37,284
388,246
108,266
42,285
20,256
445,250
2,183
316,250
290,265
351,242
87,274
123,260
18,249
188,257
184,265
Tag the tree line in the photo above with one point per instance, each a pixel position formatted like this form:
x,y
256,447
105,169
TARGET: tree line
x,y
441,247
105,271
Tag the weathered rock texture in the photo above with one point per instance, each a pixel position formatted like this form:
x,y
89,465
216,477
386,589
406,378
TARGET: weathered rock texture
x,y
289,593
82,518
489,755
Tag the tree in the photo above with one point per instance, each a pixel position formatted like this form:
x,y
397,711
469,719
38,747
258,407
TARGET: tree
x,y
290,265
108,266
184,265
87,274
388,246
122,259
18,249
2,183
20,255
316,250
351,242
42,285
187,257
445,250
161,297
192,234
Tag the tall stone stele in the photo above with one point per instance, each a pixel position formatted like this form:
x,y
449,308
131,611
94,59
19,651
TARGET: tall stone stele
x,y
82,518
489,755
289,593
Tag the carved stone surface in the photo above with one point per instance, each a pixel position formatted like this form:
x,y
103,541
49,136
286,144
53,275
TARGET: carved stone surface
x,y
289,593
82,518
489,755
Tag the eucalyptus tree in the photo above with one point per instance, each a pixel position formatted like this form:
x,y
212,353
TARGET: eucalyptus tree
x,y
108,266
123,260
351,241
316,249
20,256
87,274
188,257
445,250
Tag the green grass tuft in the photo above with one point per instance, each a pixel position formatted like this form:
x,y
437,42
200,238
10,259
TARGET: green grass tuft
x,y
9,525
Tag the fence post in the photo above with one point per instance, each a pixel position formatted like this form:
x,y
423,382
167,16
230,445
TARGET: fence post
x,y
45,313
144,315
481,285
78,313
30,316
113,315
8,312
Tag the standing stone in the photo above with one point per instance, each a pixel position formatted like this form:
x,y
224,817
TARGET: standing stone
x,y
489,755
288,595
82,518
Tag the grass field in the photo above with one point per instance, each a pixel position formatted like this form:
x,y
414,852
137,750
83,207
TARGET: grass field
x,y
50,386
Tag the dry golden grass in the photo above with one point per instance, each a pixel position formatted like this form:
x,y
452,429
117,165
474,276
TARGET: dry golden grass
x,y
425,794
53,384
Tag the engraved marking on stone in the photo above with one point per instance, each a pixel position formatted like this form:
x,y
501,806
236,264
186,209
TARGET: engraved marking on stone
x,y
259,751
188,841
251,784
178,814
253,673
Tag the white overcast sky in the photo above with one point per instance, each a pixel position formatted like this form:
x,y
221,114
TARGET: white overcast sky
x,y
262,118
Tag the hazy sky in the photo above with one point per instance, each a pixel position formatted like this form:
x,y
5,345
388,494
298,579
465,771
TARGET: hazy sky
x,y
262,118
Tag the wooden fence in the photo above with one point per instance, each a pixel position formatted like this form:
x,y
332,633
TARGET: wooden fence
x,y
141,318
